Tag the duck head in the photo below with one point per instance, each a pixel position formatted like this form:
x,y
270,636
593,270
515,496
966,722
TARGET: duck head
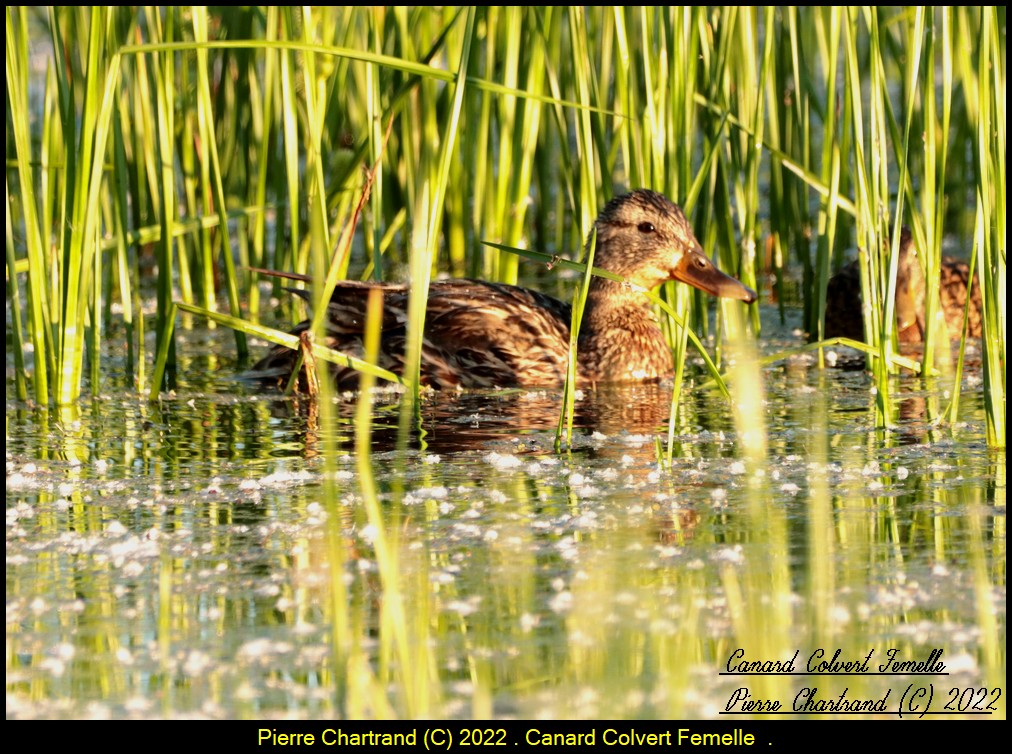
x,y
646,238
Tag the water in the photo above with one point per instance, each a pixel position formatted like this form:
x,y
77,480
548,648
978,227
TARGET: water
x,y
203,556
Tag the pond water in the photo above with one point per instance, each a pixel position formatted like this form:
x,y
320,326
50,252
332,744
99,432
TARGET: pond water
x,y
218,553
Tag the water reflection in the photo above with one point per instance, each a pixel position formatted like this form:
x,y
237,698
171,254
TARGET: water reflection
x,y
460,421
199,555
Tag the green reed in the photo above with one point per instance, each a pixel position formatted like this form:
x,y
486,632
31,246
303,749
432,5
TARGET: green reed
x,y
20,381
990,237
429,211
234,140
935,158
403,656
280,152
564,429
871,182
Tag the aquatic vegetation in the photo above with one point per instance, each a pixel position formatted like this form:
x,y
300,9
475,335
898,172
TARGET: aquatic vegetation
x,y
179,546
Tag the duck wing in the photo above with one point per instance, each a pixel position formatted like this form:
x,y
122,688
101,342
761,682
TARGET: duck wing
x,y
477,334
480,335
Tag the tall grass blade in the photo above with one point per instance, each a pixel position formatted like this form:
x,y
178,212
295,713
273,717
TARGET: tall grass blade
x,y
432,202
991,239
17,328
40,323
564,430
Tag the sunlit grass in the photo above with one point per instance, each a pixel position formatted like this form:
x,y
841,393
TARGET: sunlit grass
x,y
173,152
176,140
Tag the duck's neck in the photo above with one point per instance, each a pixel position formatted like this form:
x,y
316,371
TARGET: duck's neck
x,y
620,339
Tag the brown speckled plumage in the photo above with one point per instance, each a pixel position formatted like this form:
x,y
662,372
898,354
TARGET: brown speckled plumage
x,y
843,298
481,334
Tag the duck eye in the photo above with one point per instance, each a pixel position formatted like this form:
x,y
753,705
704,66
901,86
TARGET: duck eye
x,y
646,227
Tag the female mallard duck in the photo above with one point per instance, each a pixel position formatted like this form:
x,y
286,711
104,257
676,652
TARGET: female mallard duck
x,y
480,335
843,298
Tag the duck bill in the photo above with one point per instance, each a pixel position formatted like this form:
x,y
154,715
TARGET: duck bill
x,y
696,269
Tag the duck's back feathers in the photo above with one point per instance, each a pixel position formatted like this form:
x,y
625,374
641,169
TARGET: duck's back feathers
x,y
477,334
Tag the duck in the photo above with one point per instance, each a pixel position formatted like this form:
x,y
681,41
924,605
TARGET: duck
x,y
843,298
482,334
